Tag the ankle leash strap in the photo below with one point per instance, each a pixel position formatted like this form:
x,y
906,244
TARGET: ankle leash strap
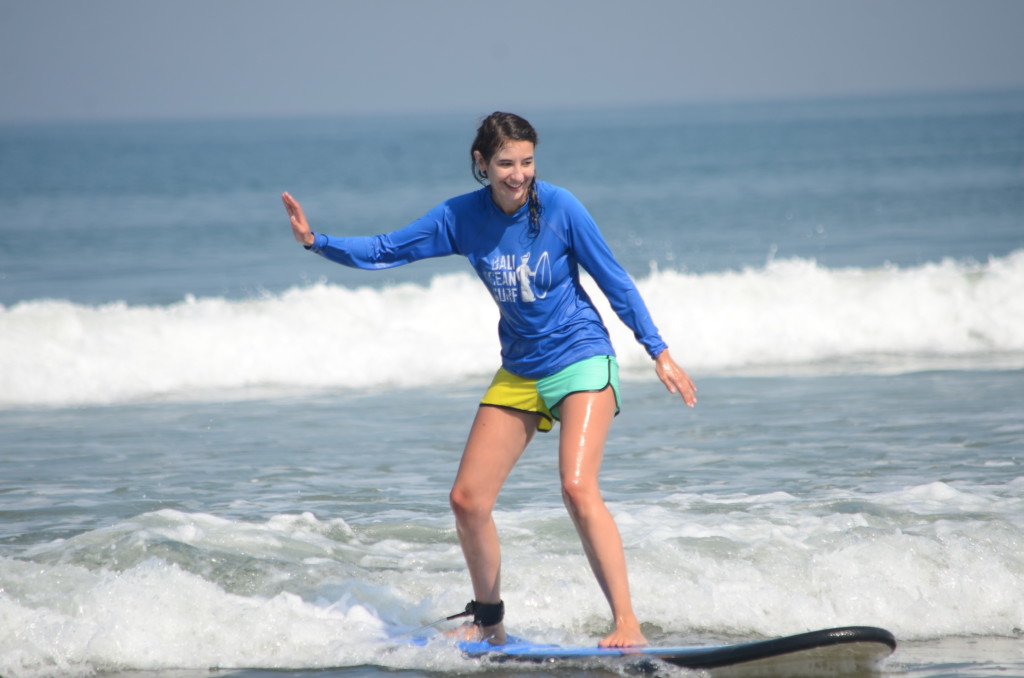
x,y
484,614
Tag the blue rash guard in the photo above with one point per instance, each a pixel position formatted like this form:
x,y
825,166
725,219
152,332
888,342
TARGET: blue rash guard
x,y
548,321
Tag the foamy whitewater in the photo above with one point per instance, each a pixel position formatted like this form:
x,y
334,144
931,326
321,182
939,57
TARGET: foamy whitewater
x,y
790,315
218,451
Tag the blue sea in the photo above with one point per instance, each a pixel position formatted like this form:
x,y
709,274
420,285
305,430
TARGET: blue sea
x,y
223,455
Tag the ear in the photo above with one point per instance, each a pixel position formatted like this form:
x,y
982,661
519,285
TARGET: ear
x,y
480,162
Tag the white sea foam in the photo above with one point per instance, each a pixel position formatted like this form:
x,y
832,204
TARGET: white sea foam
x,y
191,591
792,314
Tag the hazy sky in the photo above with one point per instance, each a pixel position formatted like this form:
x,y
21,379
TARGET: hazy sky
x,y
69,59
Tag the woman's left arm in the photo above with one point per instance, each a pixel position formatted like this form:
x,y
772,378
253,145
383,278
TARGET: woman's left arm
x,y
596,257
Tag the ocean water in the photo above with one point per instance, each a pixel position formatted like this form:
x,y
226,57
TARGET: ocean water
x,y
221,453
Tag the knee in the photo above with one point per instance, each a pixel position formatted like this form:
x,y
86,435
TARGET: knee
x,y
467,505
581,499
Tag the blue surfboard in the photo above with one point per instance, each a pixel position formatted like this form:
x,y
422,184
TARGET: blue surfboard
x,y
850,649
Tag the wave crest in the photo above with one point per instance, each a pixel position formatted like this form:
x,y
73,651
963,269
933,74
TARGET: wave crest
x,y
793,314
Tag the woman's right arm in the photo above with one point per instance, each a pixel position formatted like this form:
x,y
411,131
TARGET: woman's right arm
x,y
428,236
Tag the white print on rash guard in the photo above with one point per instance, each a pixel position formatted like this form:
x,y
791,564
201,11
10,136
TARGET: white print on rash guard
x,y
510,281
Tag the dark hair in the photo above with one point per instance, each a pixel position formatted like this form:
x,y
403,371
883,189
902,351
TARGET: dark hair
x,y
494,133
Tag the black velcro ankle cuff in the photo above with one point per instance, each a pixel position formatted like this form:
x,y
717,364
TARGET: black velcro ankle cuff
x,y
488,614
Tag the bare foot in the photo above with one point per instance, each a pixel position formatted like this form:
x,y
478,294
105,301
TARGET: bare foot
x,y
626,634
495,635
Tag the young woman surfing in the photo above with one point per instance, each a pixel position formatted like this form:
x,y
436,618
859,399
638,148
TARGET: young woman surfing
x,y
527,240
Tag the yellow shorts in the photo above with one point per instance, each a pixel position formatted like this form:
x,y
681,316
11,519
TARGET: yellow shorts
x,y
544,396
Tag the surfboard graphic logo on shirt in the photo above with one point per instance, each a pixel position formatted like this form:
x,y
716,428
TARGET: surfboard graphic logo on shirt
x,y
515,278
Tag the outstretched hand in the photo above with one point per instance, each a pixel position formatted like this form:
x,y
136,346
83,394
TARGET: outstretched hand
x,y
300,227
675,378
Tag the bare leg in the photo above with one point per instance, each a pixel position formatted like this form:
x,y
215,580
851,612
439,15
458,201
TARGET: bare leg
x,y
586,419
496,441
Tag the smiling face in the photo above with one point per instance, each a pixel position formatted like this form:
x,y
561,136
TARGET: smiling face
x,y
511,172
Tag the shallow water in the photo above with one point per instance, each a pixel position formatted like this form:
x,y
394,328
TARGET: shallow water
x,y
292,529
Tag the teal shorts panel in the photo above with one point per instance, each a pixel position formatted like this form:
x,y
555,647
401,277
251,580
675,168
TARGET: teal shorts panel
x,y
590,375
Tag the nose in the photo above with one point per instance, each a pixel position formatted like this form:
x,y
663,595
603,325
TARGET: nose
x,y
518,174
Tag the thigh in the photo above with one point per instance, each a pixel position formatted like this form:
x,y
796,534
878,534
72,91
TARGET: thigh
x,y
496,441
586,420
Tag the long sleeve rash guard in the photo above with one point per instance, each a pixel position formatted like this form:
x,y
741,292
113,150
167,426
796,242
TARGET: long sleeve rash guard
x,y
547,320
